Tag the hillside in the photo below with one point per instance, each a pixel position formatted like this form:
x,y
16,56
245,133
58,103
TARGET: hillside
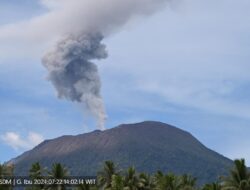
x,y
149,146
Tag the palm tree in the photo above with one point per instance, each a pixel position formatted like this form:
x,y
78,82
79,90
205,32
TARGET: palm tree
x,y
105,176
239,178
117,182
84,187
145,182
212,186
157,179
58,171
6,171
36,172
187,182
167,182
131,179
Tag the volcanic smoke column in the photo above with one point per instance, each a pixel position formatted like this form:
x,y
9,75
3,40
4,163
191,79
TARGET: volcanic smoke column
x,y
74,76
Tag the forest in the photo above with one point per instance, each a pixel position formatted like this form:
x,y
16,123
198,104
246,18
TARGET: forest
x,y
110,177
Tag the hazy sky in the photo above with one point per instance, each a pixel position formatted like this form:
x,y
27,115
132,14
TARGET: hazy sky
x,y
186,65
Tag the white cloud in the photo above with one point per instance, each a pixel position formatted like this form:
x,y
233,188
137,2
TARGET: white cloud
x,y
14,140
64,17
35,138
196,56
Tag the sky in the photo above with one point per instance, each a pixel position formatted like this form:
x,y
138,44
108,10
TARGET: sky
x,y
186,64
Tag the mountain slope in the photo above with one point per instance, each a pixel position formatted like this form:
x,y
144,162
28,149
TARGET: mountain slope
x,y
149,146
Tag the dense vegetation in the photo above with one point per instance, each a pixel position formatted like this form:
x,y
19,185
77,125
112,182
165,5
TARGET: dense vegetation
x,y
111,178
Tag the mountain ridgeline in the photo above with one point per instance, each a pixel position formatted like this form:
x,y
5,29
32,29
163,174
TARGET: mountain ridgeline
x,y
148,146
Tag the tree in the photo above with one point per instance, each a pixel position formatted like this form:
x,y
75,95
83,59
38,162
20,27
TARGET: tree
x,y
167,182
212,186
187,182
145,182
85,186
105,176
58,171
131,179
36,172
239,178
6,171
117,182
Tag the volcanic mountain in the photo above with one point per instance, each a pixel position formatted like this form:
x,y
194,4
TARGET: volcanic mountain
x,y
148,146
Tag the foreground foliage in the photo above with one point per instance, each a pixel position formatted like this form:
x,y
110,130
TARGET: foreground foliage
x,y
111,178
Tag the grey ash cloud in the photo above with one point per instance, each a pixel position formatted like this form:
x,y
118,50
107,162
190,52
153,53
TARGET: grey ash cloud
x,y
74,75
70,64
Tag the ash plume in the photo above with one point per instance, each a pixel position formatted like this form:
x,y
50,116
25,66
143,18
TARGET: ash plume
x,y
74,76
69,64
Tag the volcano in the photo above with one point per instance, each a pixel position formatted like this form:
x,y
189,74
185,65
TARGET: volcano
x,y
148,146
